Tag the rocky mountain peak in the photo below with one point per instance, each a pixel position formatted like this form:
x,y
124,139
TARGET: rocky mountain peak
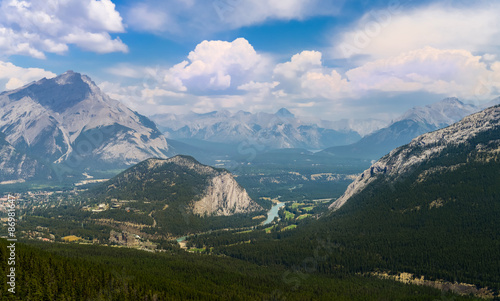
x,y
441,113
283,112
56,117
59,93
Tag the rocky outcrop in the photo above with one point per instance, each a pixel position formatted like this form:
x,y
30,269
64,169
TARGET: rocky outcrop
x,y
404,159
223,197
17,167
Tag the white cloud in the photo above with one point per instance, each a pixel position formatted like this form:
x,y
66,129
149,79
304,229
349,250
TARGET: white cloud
x,y
304,76
258,86
16,77
148,18
300,62
441,72
219,74
244,13
215,65
449,72
96,42
394,30
39,26
181,17
318,84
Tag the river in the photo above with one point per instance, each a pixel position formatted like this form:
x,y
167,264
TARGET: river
x,y
271,214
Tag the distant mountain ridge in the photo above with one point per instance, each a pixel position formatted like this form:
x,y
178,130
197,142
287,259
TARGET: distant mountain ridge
x,y
411,124
69,120
280,130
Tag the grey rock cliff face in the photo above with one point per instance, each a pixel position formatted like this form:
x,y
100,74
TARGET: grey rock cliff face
x,y
15,166
403,159
223,197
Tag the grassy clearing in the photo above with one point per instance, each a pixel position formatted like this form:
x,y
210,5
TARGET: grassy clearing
x,y
268,230
296,205
289,227
303,216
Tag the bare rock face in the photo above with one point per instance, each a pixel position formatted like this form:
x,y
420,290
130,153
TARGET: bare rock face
x,y
69,119
16,167
223,197
404,159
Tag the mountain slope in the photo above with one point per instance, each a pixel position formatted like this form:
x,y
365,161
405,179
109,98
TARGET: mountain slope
x,y
205,190
470,139
67,119
18,167
413,123
175,196
279,130
429,208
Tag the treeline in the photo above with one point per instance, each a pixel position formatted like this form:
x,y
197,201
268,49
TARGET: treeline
x,y
81,272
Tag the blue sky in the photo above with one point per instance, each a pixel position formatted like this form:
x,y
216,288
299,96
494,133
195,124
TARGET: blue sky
x,y
332,59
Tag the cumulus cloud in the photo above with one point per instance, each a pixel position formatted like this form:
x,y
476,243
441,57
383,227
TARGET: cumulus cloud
x,y
258,86
299,63
216,65
36,27
221,74
305,76
448,72
395,29
15,76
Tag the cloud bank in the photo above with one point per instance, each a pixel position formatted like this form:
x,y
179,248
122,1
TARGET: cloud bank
x,y
36,27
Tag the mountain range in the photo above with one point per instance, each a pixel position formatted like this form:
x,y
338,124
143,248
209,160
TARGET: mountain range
x,y
70,122
279,130
16,166
411,124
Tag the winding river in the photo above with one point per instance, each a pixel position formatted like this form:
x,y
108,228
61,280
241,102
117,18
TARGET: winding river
x,y
271,214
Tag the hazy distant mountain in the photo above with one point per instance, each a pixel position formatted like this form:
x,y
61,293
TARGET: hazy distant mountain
x,y
494,102
361,126
279,130
411,124
69,120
